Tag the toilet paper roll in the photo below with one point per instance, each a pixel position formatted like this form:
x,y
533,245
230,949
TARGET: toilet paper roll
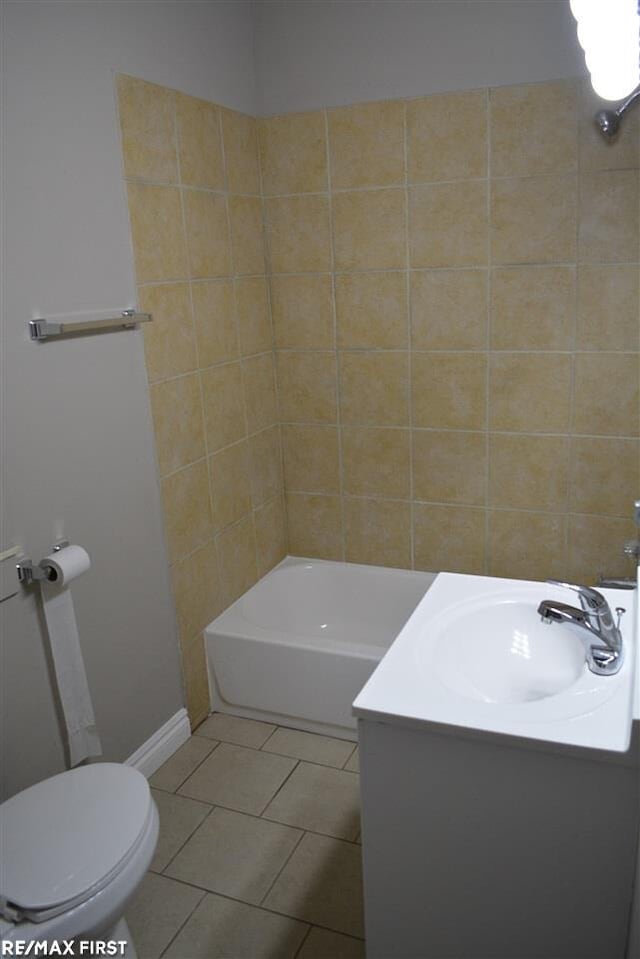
x,y
66,652
63,566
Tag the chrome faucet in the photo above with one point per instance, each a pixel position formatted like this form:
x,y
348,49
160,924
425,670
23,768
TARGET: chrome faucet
x,y
594,615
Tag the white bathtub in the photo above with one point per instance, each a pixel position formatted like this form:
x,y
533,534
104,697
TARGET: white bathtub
x,y
299,646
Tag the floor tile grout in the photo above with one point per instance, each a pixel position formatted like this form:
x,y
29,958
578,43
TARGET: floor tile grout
x,y
253,815
262,815
283,867
191,834
183,924
253,905
174,792
304,939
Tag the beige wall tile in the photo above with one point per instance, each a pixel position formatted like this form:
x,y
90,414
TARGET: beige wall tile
x,y
533,308
533,219
449,390
245,215
608,317
534,129
214,309
159,248
223,398
449,538
266,465
369,230
608,227
271,535
302,309
375,462
528,472
298,236
199,143
254,322
147,123
371,310
194,665
307,387
314,525
293,153
374,388
229,475
460,212
449,310
447,136
237,556
311,458
366,144
527,545
377,532
595,547
606,393
241,151
207,234
260,392
530,392
605,475
196,591
177,420
598,153
187,510
449,467
169,342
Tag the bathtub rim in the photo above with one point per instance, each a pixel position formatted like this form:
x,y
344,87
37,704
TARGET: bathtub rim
x,y
228,622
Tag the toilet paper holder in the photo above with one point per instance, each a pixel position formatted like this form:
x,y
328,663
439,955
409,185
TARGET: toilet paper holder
x,y
28,573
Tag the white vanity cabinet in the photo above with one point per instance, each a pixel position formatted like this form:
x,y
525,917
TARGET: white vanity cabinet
x,y
491,828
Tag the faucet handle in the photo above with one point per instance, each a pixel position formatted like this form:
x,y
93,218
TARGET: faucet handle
x,y
590,598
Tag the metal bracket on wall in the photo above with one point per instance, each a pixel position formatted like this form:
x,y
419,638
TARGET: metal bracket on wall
x,y
28,573
42,329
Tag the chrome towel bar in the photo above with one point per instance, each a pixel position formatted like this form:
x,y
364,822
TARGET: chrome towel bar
x,y
44,330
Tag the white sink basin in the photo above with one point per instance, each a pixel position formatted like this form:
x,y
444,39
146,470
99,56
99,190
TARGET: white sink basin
x,y
497,650
475,654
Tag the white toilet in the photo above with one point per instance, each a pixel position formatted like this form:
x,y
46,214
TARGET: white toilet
x,y
73,850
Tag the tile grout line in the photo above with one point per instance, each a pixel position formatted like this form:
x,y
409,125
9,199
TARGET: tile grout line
x,y
268,277
261,908
506,266
336,352
408,294
304,939
163,871
539,511
487,558
260,749
296,763
303,833
248,462
174,792
566,539
186,920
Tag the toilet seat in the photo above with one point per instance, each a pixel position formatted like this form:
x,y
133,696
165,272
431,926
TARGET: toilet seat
x,y
64,840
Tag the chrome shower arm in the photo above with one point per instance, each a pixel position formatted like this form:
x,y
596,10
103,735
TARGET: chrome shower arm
x,y
608,121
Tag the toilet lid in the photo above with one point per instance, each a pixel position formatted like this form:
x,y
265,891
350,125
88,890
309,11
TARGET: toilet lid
x,y
63,837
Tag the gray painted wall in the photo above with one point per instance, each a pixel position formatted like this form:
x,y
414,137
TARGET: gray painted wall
x,y
77,452
322,53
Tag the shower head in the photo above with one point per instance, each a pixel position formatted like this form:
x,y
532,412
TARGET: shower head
x,y
608,121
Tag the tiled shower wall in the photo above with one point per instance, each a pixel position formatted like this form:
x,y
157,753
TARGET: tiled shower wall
x,y
196,220
451,288
454,292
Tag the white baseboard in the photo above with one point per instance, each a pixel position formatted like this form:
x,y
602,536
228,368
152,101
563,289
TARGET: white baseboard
x,y
161,745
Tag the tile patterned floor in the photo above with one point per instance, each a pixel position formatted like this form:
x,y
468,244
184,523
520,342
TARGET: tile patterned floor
x,y
258,855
